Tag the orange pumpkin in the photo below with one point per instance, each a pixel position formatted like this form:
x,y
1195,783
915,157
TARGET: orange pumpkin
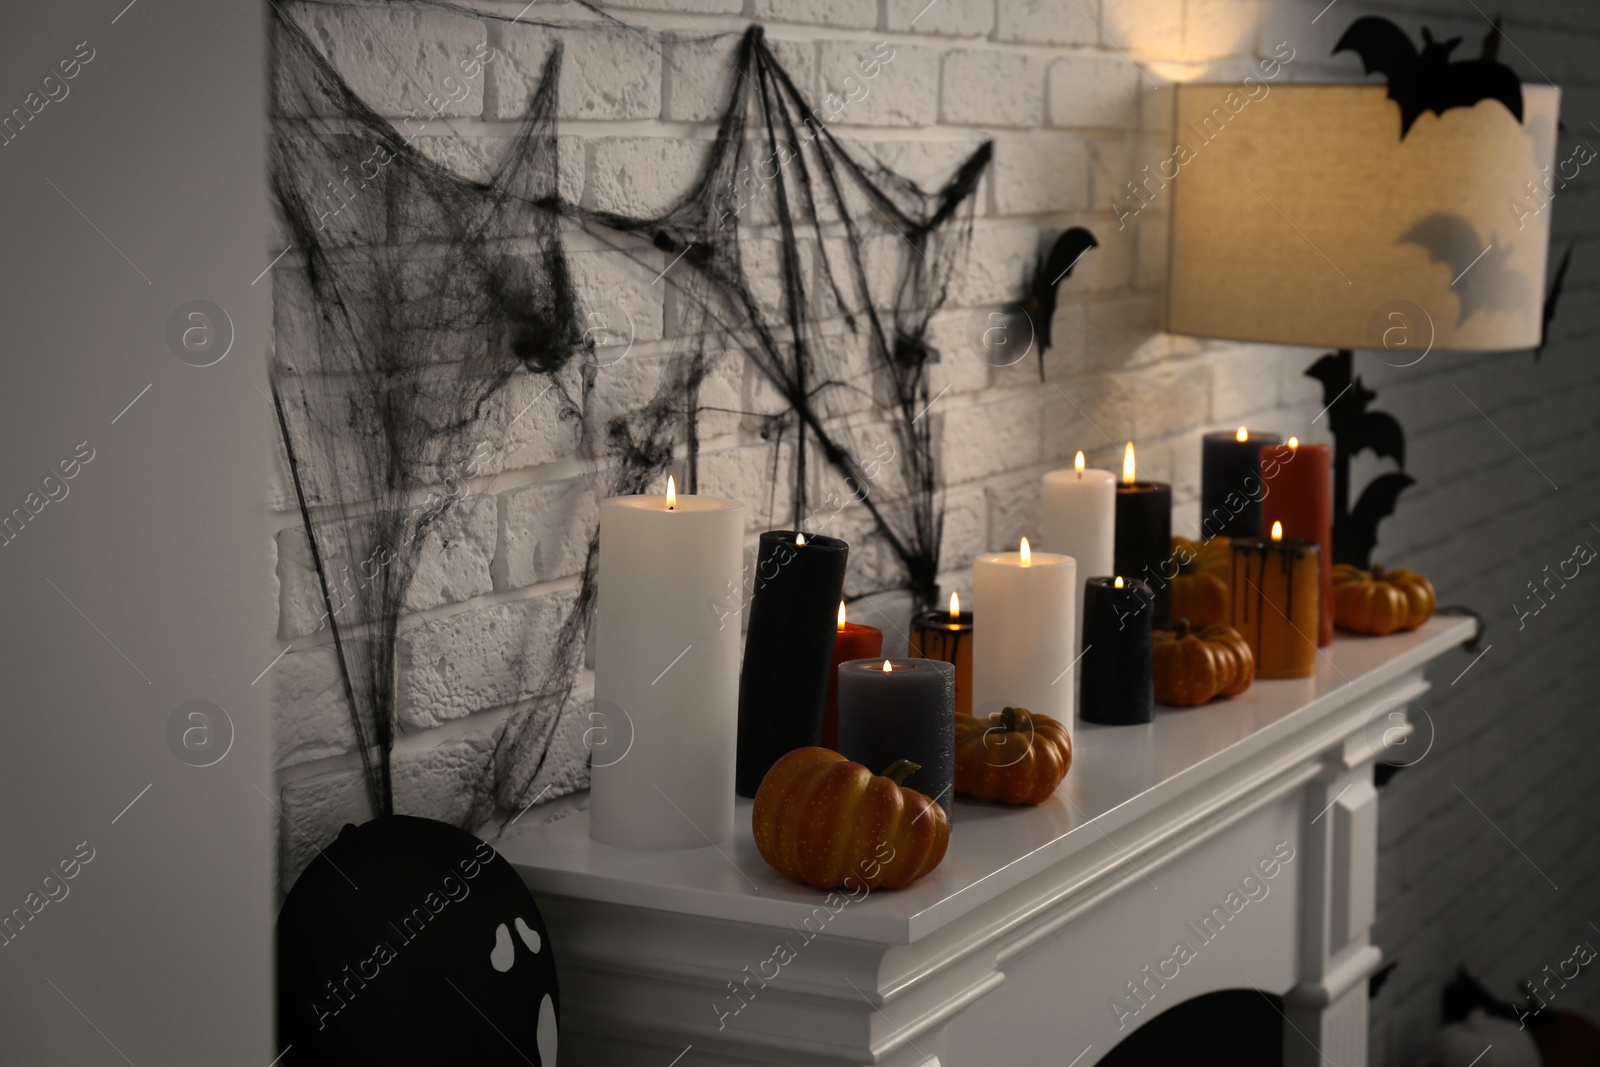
x,y
1378,601
1194,667
1200,591
830,823
1013,756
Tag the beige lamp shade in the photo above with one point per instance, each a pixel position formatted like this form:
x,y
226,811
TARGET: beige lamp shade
x,y
1304,218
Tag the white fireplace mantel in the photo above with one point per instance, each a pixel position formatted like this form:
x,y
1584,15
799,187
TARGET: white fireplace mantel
x,y
1047,933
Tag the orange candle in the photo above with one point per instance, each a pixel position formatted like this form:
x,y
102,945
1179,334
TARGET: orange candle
x,y
853,641
947,636
1296,480
1275,602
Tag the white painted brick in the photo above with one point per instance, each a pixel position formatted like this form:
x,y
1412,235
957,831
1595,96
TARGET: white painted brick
x,y
1152,26
1037,177
958,368
401,60
952,18
477,158
1016,506
641,175
997,267
555,759
436,784
903,92
534,419
452,565
312,718
1095,91
981,440
746,474
621,298
481,658
966,526
1048,21
606,73
988,88
700,73
1123,332
545,531
839,14
692,7
1214,28
1064,357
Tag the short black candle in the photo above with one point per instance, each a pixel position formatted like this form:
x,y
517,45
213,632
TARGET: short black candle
x,y
788,650
1230,484
1144,542
907,712
1118,685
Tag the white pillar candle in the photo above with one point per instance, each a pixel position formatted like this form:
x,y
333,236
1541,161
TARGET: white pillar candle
x,y
1080,515
1023,633
666,671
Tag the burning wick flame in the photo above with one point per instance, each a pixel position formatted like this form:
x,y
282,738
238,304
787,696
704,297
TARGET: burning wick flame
x,y
1077,464
1026,554
1294,443
672,493
1277,531
955,606
1116,582
1129,474
887,667
1242,435
841,614
800,539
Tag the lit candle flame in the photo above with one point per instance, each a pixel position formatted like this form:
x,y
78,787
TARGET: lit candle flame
x,y
887,667
955,606
1117,582
1294,443
800,539
1242,434
1277,531
1077,464
1026,553
841,614
672,493
1129,474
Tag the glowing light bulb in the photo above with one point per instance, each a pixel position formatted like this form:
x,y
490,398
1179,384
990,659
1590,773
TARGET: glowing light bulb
x,y
955,606
1117,582
841,614
887,667
1129,471
1242,434
1026,553
1077,464
672,493
1277,531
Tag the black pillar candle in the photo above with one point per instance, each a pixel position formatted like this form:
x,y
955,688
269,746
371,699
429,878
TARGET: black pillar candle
x,y
905,712
788,650
1230,483
1118,674
1144,542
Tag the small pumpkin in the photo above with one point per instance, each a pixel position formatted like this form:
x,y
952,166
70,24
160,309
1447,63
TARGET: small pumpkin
x,y
831,823
1200,591
1013,756
1380,601
1192,667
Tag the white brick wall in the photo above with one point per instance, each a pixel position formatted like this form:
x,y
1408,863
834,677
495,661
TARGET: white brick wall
x,y
1054,83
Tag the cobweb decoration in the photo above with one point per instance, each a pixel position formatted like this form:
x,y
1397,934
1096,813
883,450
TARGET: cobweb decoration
x,y
822,270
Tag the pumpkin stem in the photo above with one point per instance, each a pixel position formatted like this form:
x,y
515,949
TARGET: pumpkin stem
x,y
1377,572
1181,630
1011,719
901,769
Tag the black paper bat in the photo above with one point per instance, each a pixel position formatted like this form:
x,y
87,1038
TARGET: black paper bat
x,y
1355,429
1428,80
1477,267
1040,303
1551,298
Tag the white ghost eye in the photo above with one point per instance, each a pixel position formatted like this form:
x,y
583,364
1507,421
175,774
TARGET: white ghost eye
x,y
504,953
529,937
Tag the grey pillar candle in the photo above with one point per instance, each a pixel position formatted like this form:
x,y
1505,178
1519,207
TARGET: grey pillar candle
x,y
905,712
1118,674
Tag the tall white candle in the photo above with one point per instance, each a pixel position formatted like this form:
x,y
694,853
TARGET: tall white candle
x,y
1080,515
666,679
1023,633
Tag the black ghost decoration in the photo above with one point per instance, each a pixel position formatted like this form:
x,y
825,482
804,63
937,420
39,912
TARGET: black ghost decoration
x,y
410,941
1428,80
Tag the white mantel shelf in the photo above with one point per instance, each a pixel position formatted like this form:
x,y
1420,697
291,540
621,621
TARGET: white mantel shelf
x,y
1147,813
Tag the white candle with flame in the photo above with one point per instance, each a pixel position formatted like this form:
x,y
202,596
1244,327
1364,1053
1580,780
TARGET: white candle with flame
x,y
1080,509
1024,633
666,680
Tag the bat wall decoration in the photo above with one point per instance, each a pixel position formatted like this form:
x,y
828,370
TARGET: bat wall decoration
x,y
1428,80
1039,305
